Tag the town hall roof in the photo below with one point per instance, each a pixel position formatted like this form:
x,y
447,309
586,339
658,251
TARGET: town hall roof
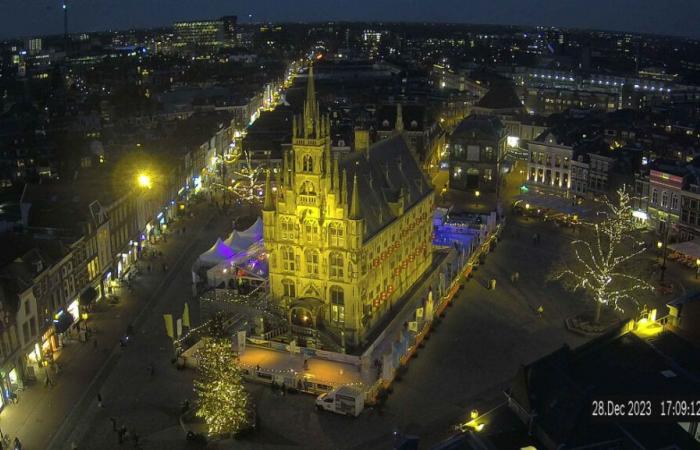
x,y
383,174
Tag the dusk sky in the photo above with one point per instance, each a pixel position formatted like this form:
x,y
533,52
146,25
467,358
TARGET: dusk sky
x,y
679,17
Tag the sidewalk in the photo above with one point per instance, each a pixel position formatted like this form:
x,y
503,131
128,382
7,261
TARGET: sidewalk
x,y
41,411
146,404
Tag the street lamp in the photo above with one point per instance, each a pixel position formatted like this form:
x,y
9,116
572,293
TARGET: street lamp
x,y
477,194
144,181
697,269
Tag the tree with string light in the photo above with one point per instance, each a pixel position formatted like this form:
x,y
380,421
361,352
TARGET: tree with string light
x,y
221,398
601,263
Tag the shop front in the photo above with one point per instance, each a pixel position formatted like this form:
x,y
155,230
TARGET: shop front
x,y
34,361
63,322
110,282
11,382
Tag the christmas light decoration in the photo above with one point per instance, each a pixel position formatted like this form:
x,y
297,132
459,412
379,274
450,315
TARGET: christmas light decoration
x,y
248,181
600,261
221,399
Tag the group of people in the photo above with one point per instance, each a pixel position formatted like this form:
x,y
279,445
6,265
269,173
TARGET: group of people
x,y
16,444
123,433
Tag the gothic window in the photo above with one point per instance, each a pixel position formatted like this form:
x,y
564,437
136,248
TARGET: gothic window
x,y
287,228
308,163
311,230
336,234
308,188
336,265
311,257
289,288
288,259
337,305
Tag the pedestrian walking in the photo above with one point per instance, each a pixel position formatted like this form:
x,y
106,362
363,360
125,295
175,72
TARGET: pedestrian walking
x,y
121,433
99,400
540,310
18,444
135,439
94,344
284,389
114,423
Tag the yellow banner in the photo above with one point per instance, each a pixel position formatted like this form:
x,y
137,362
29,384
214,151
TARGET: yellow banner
x,y
169,325
186,316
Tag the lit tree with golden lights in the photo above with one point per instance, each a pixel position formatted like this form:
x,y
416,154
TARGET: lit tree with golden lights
x,y
601,262
221,398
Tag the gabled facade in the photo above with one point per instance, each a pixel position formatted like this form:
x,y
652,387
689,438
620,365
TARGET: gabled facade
x,y
347,238
477,149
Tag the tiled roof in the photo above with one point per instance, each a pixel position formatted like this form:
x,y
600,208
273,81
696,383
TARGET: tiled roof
x,y
389,169
479,127
500,96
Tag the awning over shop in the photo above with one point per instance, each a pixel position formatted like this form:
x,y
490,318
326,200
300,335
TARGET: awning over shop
x,y
689,248
88,296
62,321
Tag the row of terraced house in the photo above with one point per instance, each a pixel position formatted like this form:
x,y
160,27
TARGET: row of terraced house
x,y
73,242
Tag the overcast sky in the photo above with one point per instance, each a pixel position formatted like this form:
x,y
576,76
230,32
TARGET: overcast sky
x,y
29,17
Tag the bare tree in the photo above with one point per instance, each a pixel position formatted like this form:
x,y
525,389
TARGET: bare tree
x,y
601,263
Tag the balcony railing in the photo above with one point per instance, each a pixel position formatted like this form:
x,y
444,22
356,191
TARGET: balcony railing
x,y
307,200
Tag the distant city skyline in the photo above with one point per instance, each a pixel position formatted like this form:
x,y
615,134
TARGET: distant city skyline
x,y
21,18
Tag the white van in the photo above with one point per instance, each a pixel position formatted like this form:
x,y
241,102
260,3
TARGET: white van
x,y
342,400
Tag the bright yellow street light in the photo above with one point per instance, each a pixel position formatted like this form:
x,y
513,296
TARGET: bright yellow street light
x,y
659,244
144,181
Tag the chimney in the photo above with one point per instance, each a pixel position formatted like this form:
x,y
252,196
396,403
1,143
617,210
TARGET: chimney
x,y
361,140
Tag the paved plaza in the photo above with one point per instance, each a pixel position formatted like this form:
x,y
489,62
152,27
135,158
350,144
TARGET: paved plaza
x,y
466,363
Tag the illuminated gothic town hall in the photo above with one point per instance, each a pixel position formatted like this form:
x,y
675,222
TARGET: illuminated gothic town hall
x,y
347,238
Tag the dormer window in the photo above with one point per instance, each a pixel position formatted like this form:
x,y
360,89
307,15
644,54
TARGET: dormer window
x,y
414,124
385,124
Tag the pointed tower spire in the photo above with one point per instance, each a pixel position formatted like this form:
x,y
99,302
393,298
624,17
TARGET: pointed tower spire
x,y
344,188
317,121
310,88
336,177
310,106
294,126
399,118
267,203
285,167
278,182
355,204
